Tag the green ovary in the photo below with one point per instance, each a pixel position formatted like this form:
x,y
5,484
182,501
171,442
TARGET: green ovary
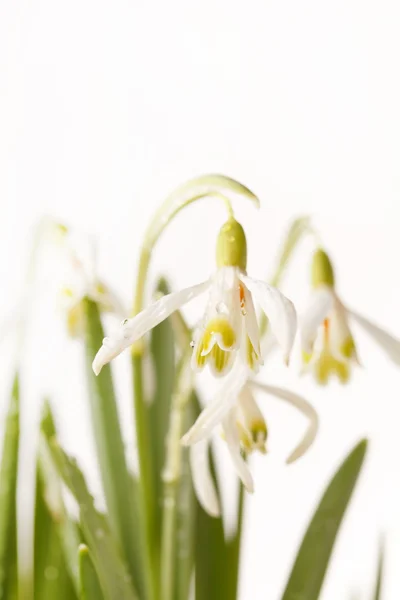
x,y
327,366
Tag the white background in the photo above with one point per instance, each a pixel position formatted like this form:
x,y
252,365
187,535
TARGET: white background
x,y
105,107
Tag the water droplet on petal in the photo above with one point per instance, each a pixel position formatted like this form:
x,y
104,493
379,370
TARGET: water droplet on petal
x,y
222,308
192,344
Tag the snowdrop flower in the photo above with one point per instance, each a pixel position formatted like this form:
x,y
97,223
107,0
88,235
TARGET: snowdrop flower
x,y
229,325
243,428
328,346
79,281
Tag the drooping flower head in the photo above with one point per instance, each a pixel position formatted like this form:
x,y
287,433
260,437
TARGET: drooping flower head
x,y
328,347
229,324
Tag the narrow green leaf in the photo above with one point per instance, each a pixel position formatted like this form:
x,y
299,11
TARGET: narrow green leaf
x,y
49,486
162,351
8,487
115,580
51,577
233,551
210,552
312,560
117,483
89,581
298,228
379,575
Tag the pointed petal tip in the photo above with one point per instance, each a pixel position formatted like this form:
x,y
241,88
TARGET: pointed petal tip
x,y
250,487
185,440
96,366
214,511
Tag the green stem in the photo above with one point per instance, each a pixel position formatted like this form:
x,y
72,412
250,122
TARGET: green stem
x,y
147,495
172,476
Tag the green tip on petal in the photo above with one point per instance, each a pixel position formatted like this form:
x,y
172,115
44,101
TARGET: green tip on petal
x,y
322,270
232,245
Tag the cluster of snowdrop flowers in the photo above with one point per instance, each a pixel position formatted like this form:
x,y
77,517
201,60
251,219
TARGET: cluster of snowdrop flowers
x,y
228,341
229,326
328,347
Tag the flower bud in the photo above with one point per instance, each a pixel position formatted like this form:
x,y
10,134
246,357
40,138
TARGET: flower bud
x,y
232,246
322,270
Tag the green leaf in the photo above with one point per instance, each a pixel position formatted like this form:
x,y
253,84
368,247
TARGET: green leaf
x,y
8,486
379,575
89,581
162,350
298,228
49,490
210,557
52,580
233,551
212,568
312,560
115,580
120,496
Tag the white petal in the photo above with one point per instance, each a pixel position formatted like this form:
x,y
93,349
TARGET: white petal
x,y
250,319
320,305
304,407
203,482
388,343
216,410
232,439
131,330
268,344
279,310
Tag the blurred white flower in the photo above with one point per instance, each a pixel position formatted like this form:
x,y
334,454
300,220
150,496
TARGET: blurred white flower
x,y
78,280
328,347
229,324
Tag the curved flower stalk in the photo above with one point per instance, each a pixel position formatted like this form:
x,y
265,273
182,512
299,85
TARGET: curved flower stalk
x,y
244,430
229,324
328,347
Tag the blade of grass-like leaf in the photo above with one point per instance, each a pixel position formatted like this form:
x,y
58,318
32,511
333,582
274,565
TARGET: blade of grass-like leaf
x,y
298,228
51,578
312,560
379,575
115,580
163,355
119,492
211,555
210,551
89,581
233,551
49,485
8,487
